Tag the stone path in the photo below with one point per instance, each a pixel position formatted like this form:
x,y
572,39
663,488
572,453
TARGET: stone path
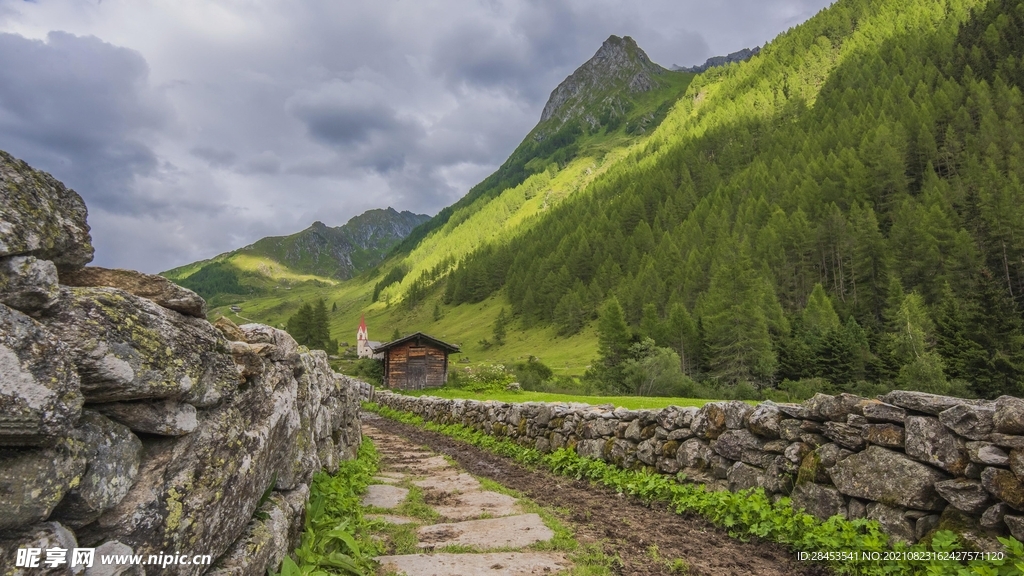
x,y
459,527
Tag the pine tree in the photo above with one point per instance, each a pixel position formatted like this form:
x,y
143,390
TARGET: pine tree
x,y
320,332
819,315
499,328
734,309
613,341
570,315
681,336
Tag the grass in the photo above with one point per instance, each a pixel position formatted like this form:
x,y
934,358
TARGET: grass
x,y
465,325
631,402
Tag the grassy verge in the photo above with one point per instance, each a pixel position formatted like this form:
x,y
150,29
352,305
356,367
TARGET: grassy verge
x,y
631,402
750,513
335,539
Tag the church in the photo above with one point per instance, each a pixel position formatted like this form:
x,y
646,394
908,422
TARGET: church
x,y
365,346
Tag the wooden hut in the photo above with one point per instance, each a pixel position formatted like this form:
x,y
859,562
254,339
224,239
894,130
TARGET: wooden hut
x,y
415,362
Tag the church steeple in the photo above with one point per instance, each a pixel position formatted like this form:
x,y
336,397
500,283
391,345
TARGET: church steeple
x,y
361,334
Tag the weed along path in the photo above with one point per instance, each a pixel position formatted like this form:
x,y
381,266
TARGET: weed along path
x,y
602,532
437,520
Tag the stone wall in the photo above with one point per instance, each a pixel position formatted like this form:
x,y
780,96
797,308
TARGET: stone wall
x,y
128,423
913,461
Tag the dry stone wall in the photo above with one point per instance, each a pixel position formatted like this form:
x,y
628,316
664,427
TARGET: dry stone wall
x,y
130,424
913,461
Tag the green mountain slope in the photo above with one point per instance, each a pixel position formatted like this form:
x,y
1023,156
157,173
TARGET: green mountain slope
x,y
319,254
845,206
608,102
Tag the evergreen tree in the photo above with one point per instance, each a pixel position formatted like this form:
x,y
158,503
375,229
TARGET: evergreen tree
x,y
570,314
613,341
819,315
681,336
499,328
309,326
737,327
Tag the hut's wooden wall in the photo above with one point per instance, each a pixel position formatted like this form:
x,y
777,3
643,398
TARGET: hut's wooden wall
x,y
407,360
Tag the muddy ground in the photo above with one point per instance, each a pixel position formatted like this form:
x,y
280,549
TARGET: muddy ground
x,y
623,526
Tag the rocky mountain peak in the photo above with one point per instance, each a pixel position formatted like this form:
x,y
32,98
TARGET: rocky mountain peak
x,y
618,65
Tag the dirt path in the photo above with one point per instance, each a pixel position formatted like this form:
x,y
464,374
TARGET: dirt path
x,y
643,537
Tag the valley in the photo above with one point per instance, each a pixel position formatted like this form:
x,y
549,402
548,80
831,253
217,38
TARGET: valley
x,y
833,214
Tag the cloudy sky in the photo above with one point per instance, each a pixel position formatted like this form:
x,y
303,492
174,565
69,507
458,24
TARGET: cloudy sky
x,y
193,127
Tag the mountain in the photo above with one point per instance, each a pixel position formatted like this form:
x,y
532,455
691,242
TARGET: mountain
x,y
615,97
838,213
318,252
604,84
343,251
739,56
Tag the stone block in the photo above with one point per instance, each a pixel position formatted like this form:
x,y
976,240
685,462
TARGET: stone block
x,y
822,502
1008,417
149,286
906,482
966,495
128,348
894,521
932,404
163,417
33,481
28,284
883,412
41,217
930,442
113,454
40,400
888,435
973,422
1005,486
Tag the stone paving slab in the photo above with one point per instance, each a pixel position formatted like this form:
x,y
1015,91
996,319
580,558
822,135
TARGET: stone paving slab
x,y
455,495
450,483
507,532
422,465
475,504
491,564
384,495
391,519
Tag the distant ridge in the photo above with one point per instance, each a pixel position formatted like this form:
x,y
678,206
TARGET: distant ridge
x,y
323,251
740,56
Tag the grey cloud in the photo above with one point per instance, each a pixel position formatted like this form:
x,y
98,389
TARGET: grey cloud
x,y
354,117
81,108
264,163
215,157
269,118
